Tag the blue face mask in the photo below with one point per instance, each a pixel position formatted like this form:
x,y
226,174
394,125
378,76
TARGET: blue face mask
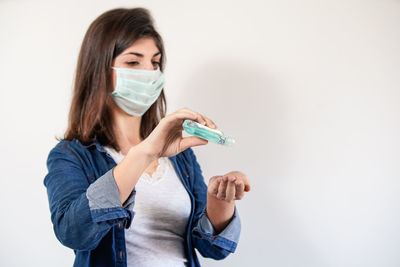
x,y
136,90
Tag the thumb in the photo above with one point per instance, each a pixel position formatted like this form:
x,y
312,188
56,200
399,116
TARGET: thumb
x,y
192,141
247,188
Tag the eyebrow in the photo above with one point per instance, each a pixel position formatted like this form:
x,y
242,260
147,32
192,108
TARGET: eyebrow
x,y
140,55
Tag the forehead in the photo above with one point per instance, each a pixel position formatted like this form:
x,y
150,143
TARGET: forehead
x,y
145,46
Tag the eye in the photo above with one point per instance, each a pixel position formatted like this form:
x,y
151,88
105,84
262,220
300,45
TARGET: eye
x,y
155,63
132,63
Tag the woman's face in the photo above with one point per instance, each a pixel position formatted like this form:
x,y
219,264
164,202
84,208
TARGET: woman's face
x,y
142,54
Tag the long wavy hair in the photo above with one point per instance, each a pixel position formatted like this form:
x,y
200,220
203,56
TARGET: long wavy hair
x,y
108,36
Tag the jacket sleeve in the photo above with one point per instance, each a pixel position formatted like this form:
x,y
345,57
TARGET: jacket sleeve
x,y
82,213
205,239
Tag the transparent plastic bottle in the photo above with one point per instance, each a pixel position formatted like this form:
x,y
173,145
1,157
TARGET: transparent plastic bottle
x,y
199,130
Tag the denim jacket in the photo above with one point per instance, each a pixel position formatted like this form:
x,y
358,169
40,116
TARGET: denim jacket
x,y
88,216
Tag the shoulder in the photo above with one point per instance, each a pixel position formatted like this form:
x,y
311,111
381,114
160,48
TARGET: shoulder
x,y
67,149
66,146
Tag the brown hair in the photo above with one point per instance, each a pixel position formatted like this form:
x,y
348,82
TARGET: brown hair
x,y
107,37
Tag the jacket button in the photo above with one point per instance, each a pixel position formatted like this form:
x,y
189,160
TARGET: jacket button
x,y
121,255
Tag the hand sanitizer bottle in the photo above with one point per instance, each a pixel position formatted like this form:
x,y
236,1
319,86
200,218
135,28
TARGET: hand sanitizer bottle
x,y
199,130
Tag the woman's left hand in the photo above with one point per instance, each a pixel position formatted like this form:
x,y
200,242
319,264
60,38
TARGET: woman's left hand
x,y
229,187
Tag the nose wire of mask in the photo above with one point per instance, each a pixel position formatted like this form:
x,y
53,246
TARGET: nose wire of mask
x,y
136,90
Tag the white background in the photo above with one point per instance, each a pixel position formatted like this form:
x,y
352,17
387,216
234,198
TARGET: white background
x,y
310,89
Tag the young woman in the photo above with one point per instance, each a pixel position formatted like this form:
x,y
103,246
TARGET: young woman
x,y
124,187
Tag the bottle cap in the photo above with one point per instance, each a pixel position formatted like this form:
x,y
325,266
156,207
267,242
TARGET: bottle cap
x,y
229,141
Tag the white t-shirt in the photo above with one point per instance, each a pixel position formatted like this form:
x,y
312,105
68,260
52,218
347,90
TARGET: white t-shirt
x,y
162,208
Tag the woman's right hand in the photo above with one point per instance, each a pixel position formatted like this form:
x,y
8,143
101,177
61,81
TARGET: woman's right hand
x,y
166,139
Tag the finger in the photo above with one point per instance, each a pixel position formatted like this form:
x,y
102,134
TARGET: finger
x,y
191,141
246,182
242,177
204,119
231,189
210,123
213,185
239,190
247,187
181,115
199,119
222,189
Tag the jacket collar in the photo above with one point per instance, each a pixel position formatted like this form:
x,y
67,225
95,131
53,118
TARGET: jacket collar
x,y
94,143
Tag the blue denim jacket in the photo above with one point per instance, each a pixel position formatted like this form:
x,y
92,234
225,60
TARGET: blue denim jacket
x,y
88,216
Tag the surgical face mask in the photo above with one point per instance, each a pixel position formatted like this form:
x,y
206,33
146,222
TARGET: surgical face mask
x,y
136,90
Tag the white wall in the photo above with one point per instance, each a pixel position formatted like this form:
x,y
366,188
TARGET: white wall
x,y
310,90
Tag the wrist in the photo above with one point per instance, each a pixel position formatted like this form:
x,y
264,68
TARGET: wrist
x,y
144,150
219,212
219,202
